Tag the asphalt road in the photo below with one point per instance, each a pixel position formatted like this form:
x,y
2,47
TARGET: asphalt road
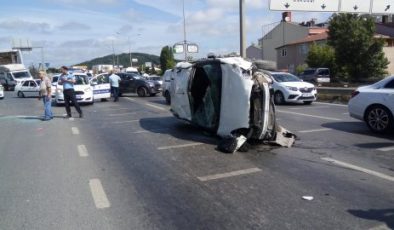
x,y
131,165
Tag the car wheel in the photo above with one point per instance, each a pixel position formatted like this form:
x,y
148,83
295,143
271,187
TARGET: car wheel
x,y
279,98
142,92
307,102
379,119
20,94
168,98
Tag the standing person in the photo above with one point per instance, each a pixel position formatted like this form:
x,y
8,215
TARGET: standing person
x,y
46,95
114,82
68,80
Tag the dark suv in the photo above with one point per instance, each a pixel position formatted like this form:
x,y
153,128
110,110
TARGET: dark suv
x,y
135,83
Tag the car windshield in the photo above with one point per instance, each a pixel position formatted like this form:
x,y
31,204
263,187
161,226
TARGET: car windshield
x,y
285,77
81,80
23,74
154,78
55,79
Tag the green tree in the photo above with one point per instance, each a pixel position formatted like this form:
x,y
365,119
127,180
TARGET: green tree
x,y
322,56
167,60
358,54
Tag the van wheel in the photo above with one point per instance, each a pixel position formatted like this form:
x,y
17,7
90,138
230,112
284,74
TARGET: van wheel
x,y
168,97
279,98
20,94
142,92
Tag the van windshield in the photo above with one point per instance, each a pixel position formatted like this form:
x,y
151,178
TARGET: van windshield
x,y
23,74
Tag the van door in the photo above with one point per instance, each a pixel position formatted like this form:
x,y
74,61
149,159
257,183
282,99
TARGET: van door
x,y
101,87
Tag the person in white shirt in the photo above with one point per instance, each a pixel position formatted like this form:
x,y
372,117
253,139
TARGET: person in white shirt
x,y
114,82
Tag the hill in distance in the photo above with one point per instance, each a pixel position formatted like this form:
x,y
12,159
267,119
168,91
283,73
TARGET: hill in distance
x,y
123,59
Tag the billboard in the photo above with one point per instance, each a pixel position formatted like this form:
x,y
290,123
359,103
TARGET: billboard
x,y
355,6
382,7
305,5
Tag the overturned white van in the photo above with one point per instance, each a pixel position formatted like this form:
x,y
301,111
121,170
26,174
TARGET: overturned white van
x,y
229,97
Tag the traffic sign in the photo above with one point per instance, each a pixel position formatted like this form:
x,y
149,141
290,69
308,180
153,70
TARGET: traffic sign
x,y
305,5
382,7
355,6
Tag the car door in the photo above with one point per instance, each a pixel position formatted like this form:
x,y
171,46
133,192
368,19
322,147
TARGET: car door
x,y
124,82
35,88
101,87
388,95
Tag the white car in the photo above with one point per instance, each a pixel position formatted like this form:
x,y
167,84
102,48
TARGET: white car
x,y
289,88
101,87
168,74
374,104
83,90
1,92
28,88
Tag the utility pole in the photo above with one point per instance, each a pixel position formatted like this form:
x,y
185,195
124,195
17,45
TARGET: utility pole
x,y
184,31
242,28
113,54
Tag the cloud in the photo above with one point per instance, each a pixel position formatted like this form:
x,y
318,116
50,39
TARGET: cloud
x,y
134,15
126,29
78,43
83,2
21,25
74,26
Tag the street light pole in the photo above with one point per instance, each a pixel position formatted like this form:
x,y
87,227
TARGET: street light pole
x,y
113,53
242,28
184,31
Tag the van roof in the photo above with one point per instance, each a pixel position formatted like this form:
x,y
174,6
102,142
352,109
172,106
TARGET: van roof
x,y
13,67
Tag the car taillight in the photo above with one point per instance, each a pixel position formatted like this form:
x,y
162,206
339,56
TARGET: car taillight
x,y
355,93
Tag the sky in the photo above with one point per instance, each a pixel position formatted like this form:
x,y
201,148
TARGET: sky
x,y
73,31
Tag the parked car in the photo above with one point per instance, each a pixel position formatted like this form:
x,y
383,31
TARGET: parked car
x,y
166,85
83,90
374,104
28,88
135,83
155,78
316,75
289,88
224,96
1,92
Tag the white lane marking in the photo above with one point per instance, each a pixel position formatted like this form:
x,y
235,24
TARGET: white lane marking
x,y
229,174
380,227
345,113
75,130
308,115
310,107
150,131
122,122
71,119
98,193
178,146
313,130
83,152
324,103
386,149
121,114
360,169
156,107
130,99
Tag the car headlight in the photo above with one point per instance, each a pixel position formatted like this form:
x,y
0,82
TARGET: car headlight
x,y
59,91
151,84
87,90
292,88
